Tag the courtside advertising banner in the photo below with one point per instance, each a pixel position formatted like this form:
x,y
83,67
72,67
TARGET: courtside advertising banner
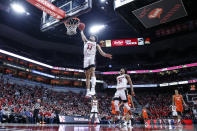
x,y
160,12
73,119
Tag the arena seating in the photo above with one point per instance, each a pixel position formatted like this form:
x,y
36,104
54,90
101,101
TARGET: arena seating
x,y
17,102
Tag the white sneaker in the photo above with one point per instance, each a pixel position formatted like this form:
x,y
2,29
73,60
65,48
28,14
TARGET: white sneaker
x,y
125,124
129,123
93,92
88,94
97,121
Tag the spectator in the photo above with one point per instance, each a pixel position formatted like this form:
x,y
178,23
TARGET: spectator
x,y
19,101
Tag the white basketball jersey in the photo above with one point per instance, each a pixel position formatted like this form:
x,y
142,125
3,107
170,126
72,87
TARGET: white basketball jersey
x,y
94,103
121,81
174,112
89,48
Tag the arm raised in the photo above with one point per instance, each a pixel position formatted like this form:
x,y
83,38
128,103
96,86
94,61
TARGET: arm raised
x,y
83,37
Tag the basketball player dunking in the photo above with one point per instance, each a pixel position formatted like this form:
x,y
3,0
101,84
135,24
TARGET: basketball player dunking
x,y
121,91
177,100
90,48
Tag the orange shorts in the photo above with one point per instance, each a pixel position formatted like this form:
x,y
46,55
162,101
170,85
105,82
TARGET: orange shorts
x,y
179,108
145,116
125,111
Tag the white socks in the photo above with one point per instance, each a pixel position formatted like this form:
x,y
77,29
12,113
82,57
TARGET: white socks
x,y
179,120
93,81
88,90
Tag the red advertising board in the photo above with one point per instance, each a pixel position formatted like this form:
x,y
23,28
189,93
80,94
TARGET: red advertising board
x,y
49,8
124,42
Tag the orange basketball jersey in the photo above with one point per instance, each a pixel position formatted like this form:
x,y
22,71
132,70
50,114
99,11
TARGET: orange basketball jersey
x,y
144,114
178,102
113,108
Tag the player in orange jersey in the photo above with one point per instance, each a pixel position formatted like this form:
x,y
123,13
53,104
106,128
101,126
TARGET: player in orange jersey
x,y
113,110
144,113
177,100
130,103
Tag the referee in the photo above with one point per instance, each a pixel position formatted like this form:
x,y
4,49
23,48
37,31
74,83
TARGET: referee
x,y
36,111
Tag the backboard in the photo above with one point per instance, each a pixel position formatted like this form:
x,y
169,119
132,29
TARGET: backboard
x,y
73,8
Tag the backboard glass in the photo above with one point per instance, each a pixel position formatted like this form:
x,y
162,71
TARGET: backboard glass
x,y
73,8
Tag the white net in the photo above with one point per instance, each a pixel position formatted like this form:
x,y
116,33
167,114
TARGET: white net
x,y
71,26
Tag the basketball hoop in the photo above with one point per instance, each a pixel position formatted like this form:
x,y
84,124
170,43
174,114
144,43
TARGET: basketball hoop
x,y
71,25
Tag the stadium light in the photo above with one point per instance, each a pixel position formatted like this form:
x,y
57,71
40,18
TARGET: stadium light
x,y
95,29
18,8
27,13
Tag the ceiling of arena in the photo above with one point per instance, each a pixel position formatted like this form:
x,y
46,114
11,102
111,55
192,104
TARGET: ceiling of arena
x,y
21,34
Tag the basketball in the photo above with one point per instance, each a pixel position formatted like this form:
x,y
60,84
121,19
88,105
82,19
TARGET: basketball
x,y
81,26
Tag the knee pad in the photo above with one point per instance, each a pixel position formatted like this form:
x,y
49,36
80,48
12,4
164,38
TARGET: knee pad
x,y
127,106
116,103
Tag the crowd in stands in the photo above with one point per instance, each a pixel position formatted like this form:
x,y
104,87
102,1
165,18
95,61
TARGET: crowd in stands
x,y
159,105
17,103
